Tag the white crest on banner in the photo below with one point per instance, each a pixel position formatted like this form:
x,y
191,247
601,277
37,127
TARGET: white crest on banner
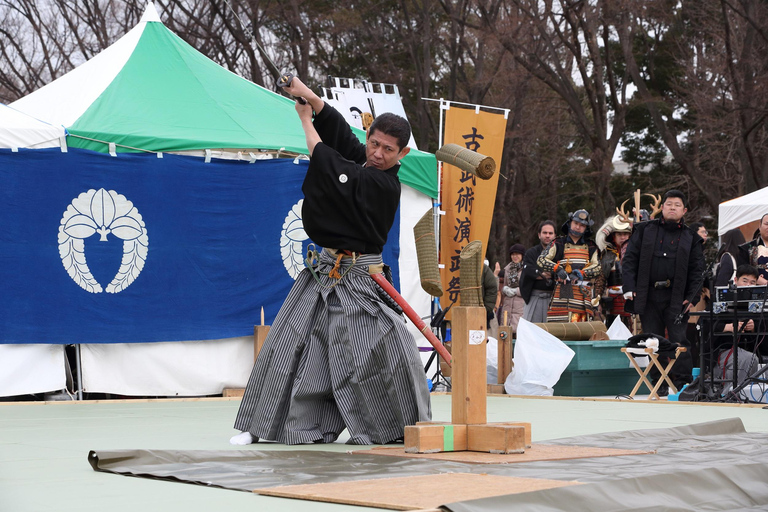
x,y
292,239
102,212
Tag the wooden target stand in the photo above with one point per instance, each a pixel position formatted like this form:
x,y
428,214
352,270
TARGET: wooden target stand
x,y
468,429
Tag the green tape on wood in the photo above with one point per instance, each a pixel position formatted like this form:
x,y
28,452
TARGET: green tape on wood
x,y
448,438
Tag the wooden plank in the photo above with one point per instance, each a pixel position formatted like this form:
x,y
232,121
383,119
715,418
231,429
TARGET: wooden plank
x,y
495,438
468,378
259,335
233,392
433,438
414,492
537,452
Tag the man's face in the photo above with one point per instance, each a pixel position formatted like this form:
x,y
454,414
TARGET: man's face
x,y
673,209
620,238
578,227
764,227
382,151
547,234
746,280
703,233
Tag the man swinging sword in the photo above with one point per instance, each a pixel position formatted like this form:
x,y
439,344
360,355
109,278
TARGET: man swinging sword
x,y
337,355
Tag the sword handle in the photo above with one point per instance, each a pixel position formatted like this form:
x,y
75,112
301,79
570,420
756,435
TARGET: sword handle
x,y
285,81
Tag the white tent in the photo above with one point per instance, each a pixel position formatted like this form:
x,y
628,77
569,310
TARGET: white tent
x,y
19,130
29,368
193,367
742,210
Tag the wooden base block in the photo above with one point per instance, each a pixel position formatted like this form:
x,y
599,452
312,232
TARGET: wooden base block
x,y
434,438
496,389
496,438
526,426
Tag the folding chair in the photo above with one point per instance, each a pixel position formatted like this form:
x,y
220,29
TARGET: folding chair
x,y
654,357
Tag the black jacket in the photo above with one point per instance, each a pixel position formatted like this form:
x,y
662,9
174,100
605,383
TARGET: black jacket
x,y
530,273
346,205
689,265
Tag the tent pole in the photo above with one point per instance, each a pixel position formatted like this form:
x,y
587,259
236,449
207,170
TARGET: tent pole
x,y
79,373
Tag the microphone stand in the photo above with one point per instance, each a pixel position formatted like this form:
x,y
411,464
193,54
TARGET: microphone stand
x,y
679,318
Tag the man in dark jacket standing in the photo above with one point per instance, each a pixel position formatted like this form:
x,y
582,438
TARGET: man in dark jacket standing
x,y
662,271
536,286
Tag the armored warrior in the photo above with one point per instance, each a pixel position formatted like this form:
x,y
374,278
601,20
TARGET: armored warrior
x,y
573,260
612,240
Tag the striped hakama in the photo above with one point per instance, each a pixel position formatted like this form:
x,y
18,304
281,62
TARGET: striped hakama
x,y
335,358
536,308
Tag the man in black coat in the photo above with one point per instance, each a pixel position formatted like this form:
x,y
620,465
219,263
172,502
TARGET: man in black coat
x,y
536,286
663,271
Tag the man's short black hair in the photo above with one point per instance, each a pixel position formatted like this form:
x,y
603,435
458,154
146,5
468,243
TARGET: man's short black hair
x,y
695,226
394,126
676,193
547,223
746,270
763,217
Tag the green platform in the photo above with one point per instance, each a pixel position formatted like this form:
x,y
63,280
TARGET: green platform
x,y
599,368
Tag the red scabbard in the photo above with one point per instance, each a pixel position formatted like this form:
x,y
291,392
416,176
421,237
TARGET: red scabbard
x,y
381,280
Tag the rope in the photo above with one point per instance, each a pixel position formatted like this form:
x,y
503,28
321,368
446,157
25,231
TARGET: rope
x,y
334,273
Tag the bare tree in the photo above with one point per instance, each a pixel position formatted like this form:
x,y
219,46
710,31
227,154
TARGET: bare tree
x,y
700,71
570,46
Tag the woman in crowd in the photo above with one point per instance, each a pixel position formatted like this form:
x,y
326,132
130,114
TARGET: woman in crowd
x,y
512,303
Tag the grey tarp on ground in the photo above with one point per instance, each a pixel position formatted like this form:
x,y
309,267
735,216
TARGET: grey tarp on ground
x,y
708,466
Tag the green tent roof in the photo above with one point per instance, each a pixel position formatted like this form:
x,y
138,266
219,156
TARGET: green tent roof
x,y
170,97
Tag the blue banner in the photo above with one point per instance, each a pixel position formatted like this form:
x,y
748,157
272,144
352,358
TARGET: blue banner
x,y
135,248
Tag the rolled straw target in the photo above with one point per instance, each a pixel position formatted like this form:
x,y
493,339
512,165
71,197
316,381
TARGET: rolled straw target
x,y
426,255
467,160
573,331
470,271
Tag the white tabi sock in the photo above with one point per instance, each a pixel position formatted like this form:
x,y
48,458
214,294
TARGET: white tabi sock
x,y
242,439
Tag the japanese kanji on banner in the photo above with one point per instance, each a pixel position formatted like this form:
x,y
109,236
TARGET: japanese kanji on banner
x,y
467,200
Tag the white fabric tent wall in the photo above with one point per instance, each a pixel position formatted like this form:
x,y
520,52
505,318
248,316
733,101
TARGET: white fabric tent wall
x,y
188,368
19,130
742,210
33,368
